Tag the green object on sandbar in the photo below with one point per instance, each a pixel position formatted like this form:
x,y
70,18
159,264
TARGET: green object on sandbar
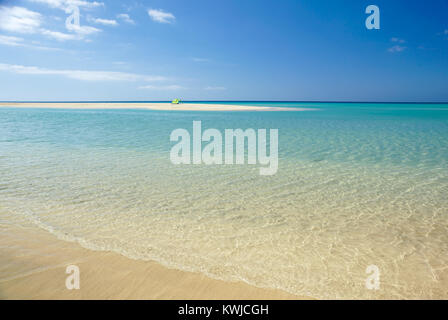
x,y
176,101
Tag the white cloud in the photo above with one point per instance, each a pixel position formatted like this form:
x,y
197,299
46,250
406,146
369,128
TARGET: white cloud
x,y
167,87
19,19
215,88
85,75
161,16
396,48
105,22
446,31
126,18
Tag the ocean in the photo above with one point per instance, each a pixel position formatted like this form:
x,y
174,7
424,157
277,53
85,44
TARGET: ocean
x,y
358,184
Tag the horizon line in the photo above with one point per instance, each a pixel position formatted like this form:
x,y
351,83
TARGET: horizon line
x,y
188,101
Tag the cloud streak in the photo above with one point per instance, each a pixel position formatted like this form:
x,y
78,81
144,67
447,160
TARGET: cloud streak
x,y
200,60
60,36
83,75
397,40
11,41
20,42
105,22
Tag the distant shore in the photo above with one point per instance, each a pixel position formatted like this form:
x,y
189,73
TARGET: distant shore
x,y
147,106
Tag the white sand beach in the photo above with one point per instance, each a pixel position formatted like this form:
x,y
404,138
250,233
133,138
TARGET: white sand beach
x,y
145,105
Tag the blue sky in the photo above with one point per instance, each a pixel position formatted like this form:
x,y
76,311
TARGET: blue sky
x,y
223,50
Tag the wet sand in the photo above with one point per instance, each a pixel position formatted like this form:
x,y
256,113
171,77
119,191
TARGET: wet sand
x,y
33,266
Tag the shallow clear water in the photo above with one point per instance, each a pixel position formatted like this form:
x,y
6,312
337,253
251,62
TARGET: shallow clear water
x,y
357,184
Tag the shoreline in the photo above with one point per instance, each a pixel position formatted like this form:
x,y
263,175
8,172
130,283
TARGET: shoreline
x,y
146,106
33,265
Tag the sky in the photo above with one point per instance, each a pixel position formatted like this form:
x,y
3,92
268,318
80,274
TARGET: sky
x,y
287,50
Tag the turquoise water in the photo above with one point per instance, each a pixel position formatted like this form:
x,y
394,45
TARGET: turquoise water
x,y
357,184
